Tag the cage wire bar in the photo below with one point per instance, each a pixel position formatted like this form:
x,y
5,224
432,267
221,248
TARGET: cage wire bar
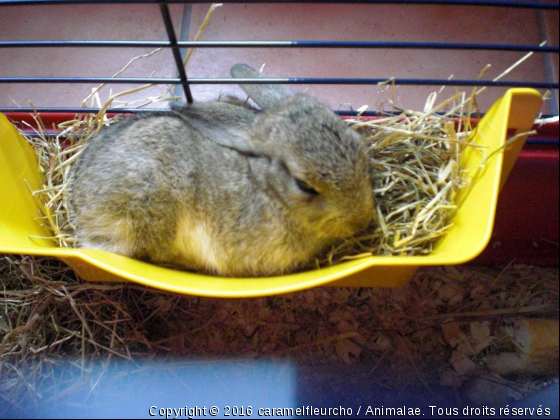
x,y
176,51
284,44
281,80
182,80
480,3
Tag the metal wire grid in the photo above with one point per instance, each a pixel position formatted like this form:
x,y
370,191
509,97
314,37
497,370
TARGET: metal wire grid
x,y
185,82
489,3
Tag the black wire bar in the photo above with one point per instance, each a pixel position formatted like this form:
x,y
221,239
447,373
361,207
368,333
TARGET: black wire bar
x,y
479,3
283,44
176,51
291,81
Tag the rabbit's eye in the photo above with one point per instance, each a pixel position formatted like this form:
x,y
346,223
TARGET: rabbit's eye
x,y
305,187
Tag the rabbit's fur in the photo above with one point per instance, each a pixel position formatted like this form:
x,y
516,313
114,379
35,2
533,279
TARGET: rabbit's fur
x,y
223,187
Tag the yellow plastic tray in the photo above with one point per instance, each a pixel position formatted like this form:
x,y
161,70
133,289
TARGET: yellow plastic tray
x,y
468,237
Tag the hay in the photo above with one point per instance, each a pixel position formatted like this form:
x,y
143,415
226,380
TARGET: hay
x,y
439,329
416,175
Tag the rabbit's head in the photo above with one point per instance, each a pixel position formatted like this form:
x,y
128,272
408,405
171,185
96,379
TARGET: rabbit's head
x,y
314,164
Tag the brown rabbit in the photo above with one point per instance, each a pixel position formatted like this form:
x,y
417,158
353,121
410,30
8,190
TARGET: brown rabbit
x,y
222,187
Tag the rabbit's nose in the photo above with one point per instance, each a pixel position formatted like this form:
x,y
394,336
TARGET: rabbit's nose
x,y
350,225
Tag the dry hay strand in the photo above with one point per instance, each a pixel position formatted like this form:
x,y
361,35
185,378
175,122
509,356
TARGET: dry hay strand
x,y
438,330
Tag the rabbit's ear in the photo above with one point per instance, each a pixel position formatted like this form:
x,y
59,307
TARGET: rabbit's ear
x,y
224,126
241,143
265,96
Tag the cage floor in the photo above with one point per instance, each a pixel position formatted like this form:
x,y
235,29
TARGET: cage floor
x,y
275,22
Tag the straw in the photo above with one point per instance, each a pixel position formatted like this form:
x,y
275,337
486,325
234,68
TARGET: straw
x,y
409,339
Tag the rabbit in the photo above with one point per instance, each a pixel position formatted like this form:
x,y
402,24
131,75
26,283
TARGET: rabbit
x,y
224,187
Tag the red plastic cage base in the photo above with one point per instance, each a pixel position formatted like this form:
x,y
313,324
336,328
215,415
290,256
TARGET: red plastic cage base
x,y
526,226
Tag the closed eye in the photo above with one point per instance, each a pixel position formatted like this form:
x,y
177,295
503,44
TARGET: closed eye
x,y
305,187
